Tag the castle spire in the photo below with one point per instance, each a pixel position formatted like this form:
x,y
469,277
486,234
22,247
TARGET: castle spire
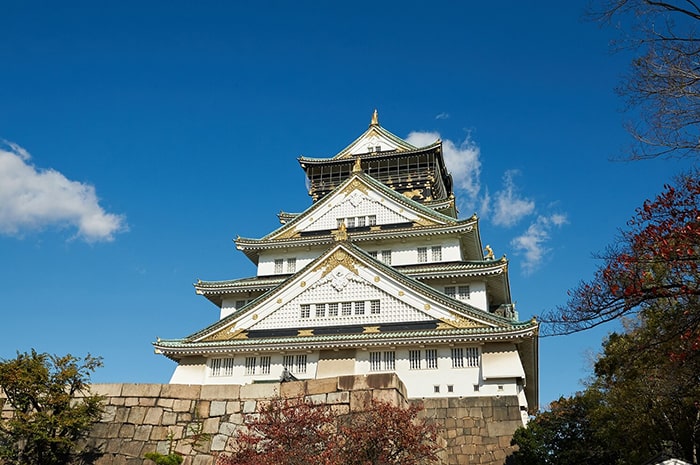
x,y
375,119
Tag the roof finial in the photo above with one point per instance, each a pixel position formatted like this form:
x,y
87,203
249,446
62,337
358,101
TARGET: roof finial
x,y
375,118
357,167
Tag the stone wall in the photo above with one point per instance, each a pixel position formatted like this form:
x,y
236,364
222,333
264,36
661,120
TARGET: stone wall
x,y
198,421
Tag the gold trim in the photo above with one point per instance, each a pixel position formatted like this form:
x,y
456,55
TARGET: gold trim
x,y
460,322
426,306
377,279
371,330
339,257
305,332
227,334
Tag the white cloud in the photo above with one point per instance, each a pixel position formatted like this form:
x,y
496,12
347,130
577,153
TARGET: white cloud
x,y
31,199
462,160
509,206
531,244
442,115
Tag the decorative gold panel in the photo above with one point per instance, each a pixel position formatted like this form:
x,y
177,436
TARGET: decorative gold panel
x,y
339,257
227,334
305,333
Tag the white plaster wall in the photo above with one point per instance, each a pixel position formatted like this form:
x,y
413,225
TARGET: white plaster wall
x,y
266,261
191,370
239,372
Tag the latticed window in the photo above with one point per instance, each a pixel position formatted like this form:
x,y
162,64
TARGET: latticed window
x,y
436,253
373,254
422,254
372,220
288,362
279,265
375,361
320,310
386,256
300,364
250,365
451,291
431,359
291,265
374,307
463,292
472,357
359,308
305,310
333,309
350,222
360,221
265,365
414,359
390,360
347,308
221,366
457,357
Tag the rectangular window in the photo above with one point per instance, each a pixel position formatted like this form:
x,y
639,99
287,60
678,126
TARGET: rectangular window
x,y
436,389
436,253
320,310
350,222
360,221
372,220
422,254
431,359
332,309
375,361
221,366
265,365
390,360
451,291
347,308
250,365
472,357
279,265
374,307
457,357
386,257
377,148
414,359
288,362
305,310
301,364
239,304
373,254
450,388
463,292
359,308
291,265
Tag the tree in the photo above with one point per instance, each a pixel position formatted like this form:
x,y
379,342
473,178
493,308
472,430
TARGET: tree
x,y
664,78
291,432
51,409
655,264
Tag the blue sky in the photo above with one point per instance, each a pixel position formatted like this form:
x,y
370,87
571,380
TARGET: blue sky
x,y
140,138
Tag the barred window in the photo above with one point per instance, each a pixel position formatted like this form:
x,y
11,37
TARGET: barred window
x,y
436,252
221,366
373,254
250,364
288,362
390,360
291,265
422,254
375,361
372,220
457,357
305,310
333,309
347,308
360,221
265,365
301,364
472,357
320,310
359,308
431,359
350,222
386,256
239,304
451,291
374,307
279,265
463,292
414,359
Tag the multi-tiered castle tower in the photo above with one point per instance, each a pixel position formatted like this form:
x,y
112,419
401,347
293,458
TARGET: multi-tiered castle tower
x,y
377,275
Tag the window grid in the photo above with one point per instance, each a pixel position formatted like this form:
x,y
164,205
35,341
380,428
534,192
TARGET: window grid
x,y
360,308
390,360
346,308
465,357
250,365
374,307
436,252
301,364
221,366
431,359
457,357
360,221
382,361
373,254
333,309
305,310
386,257
320,310
372,220
414,359
291,265
422,254
375,361
279,265
265,365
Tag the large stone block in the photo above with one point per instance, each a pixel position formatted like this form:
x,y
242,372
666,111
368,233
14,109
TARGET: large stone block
x,y
220,391
182,405
142,432
181,391
136,415
154,416
217,408
259,391
293,389
321,386
360,400
141,390
338,397
107,390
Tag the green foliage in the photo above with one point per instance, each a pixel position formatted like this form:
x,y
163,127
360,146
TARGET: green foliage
x,y
52,409
170,459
